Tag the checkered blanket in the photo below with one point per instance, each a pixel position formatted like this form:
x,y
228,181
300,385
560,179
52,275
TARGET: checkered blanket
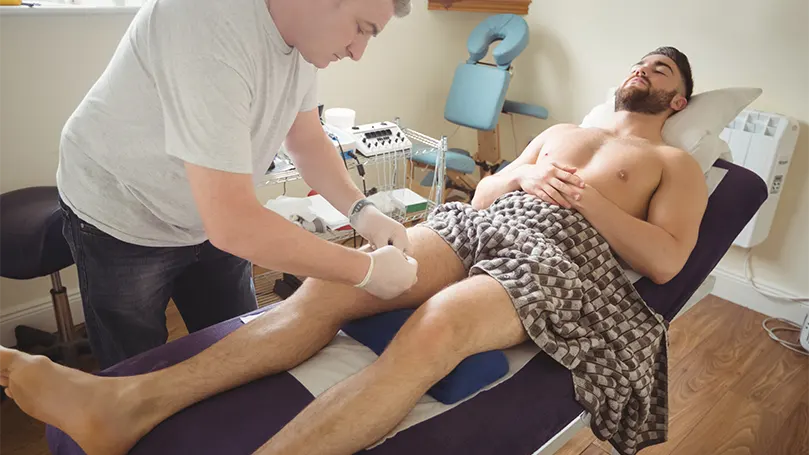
x,y
577,304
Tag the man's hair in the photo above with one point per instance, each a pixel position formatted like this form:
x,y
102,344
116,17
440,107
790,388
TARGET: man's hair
x,y
680,60
401,8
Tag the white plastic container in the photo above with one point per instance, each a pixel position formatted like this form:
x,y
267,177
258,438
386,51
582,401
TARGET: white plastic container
x,y
340,117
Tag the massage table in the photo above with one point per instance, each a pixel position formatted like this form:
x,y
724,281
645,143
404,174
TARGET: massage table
x,y
530,411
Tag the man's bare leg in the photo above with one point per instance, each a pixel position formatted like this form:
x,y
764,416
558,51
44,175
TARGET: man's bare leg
x,y
109,415
472,316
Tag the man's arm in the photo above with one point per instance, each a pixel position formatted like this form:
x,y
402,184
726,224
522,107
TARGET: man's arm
x,y
319,164
237,223
509,179
658,247
323,169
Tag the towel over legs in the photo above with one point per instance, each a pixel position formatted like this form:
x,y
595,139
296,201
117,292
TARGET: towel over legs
x,y
576,303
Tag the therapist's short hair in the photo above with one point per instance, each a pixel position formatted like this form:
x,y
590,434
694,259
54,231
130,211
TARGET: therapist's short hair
x,y
401,8
682,64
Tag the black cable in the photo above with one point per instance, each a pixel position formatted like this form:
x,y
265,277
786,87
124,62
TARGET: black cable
x,y
336,139
342,153
361,170
360,167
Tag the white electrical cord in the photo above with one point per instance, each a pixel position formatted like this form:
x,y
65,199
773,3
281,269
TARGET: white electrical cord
x,y
748,273
790,326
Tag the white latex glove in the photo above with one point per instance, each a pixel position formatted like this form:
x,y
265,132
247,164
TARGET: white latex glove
x,y
380,229
391,273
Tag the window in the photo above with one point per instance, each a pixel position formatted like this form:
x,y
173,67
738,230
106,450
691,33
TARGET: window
x,y
95,2
481,6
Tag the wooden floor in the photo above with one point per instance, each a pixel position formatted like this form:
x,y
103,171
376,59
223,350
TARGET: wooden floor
x,y
732,391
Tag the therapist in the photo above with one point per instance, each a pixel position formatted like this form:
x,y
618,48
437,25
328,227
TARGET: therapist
x,y
158,165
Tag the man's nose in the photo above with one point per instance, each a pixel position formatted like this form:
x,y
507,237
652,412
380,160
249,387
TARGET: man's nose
x,y
356,49
640,71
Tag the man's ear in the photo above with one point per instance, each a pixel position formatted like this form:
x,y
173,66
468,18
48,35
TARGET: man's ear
x,y
678,103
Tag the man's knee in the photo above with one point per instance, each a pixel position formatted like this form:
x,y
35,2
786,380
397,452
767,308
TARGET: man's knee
x,y
324,302
438,335
458,322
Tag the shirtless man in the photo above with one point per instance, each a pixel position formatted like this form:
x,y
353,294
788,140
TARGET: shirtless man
x,y
644,197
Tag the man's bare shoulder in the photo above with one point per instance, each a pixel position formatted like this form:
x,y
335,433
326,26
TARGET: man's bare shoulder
x,y
559,128
550,133
562,126
678,157
566,129
679,164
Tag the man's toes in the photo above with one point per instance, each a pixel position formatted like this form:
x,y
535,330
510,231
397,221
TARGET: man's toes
x,y
6,359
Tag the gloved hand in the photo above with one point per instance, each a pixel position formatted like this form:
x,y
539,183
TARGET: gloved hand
x,y
391,273
378,228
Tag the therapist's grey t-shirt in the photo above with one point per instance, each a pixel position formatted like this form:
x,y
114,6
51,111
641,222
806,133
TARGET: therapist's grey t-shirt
x,y
210,82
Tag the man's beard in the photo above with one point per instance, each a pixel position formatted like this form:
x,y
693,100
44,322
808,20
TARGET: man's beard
x,y
649,101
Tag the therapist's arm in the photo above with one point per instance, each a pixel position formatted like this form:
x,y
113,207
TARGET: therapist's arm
x,y
236,222
319,164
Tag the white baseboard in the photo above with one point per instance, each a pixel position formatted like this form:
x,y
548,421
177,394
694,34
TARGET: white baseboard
x,y
39,316
735,288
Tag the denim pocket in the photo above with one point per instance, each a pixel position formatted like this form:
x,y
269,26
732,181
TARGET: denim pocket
x,y
89,229
84,227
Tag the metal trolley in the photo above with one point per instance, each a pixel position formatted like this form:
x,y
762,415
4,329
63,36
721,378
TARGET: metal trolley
x,y
384,172
391,171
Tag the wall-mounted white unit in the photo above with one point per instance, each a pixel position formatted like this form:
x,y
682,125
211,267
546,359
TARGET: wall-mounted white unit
x,y
764,143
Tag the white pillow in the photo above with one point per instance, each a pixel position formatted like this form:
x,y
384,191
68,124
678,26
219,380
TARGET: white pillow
x,y
696,128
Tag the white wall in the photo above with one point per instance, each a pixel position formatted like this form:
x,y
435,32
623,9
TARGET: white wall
x,y
48,62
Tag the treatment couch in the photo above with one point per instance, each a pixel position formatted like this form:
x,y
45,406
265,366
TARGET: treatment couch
x,y
531,410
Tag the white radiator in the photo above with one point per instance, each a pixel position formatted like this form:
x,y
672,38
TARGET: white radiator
x,y
764,143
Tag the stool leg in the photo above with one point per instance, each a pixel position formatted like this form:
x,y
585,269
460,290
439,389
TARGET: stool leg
x,y
61,308
64,321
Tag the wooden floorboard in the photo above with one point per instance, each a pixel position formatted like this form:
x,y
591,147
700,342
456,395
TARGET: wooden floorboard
x,y
736,424
793,438
593,449
580,442
730,387
732,390
692,329
20,434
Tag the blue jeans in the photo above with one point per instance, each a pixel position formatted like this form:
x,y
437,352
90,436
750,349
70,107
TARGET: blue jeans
x,y
125,288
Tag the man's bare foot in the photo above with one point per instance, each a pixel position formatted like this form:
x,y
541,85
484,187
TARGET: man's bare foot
x,y
103,415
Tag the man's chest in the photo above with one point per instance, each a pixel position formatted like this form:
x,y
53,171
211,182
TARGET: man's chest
x,y
627,172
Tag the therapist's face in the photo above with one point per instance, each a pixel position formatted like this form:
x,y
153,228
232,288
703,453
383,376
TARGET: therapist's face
x,y
654,85
341,29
